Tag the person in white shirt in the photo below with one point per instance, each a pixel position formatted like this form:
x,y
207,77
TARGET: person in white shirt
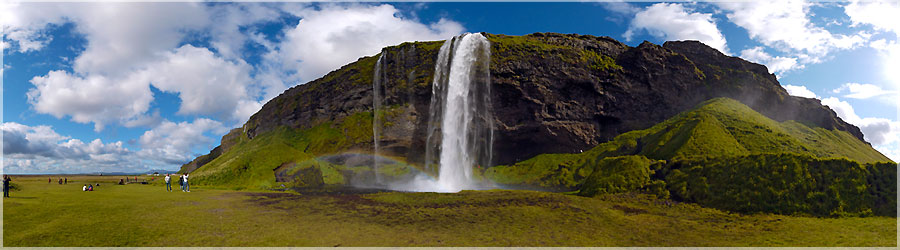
x,y
187,185
168,183
84,188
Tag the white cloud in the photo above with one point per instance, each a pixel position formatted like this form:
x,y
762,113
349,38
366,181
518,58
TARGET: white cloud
x,y
39,149
776,64
882,15
111,78
228,20
674,22
863,91
878,131
22,27
94,98
334,35
620,7
173,143
122,37
800,91
785,25
205,83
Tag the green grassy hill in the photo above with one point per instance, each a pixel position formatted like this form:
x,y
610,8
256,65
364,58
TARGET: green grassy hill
x,y
723,154
251,164
719,127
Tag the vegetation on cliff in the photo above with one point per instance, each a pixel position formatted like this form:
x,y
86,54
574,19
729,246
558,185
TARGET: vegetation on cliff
x,y
723,154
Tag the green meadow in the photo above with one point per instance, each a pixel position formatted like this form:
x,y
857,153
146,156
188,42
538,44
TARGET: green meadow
x,y
136,215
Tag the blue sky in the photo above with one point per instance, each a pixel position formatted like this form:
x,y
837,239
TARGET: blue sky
x,y
91,87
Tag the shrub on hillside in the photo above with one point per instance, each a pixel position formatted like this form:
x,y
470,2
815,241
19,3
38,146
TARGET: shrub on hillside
x,y
786,184
617,175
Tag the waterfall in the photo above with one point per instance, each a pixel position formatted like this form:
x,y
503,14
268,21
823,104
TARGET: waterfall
x,y
460,120
376,120
460,111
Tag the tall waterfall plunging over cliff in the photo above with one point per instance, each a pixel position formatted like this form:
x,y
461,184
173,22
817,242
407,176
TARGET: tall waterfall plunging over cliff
x,y
460,120
460,123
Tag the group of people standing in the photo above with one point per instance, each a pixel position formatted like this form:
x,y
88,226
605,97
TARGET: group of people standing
x,y
61,180
183,180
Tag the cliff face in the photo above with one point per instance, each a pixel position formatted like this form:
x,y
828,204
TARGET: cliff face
x,y
552,93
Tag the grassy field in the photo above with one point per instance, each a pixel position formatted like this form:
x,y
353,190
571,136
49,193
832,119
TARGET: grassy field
x,y
44,214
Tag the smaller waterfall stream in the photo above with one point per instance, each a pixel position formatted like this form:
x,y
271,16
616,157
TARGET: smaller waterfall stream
x,y
376,119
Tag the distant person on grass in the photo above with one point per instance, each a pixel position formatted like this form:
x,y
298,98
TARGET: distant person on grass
x,y
6,181
84,188
60,181
168,183
90,187
66,180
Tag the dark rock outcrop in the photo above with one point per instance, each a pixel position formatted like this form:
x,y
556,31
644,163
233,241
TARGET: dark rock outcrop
x,y
552,93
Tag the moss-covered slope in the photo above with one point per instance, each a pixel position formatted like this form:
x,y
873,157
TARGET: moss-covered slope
x,y
252,163
720,127
723,154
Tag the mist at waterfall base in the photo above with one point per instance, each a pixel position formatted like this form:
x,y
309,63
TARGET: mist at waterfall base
x,y
460,127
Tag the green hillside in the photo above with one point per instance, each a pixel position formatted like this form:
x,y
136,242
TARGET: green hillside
x,y
723,154
251,163
719,127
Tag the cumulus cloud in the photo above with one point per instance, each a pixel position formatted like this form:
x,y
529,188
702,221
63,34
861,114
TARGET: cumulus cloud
x,y
333,35
40,149
22,139
94,98
672,21
230,20
878,131
776,64
124,36
205,83
801,91
36,149
173,143
111,78
23,27
882,15
785,25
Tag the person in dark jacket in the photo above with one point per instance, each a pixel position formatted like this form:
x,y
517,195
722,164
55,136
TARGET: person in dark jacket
x,y
6,181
